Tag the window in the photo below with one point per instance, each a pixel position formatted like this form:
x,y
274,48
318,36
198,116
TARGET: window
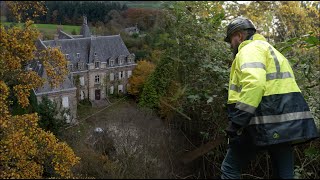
x,y
111,62
82,81
95,53
65,101
111,89
120,75
130,58
129,73
78,55
97,64
80,65
120,88
70,67
120,60
82,95
97,79
67,56
111,76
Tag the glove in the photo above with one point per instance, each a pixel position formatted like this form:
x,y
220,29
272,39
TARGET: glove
x,y
233,130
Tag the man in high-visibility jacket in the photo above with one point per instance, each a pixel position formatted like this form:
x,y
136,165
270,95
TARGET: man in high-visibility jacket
x,y
266,109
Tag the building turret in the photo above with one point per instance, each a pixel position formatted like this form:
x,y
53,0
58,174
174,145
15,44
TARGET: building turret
x,y
85,31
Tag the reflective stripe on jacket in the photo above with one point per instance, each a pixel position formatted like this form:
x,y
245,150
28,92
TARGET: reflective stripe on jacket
x,y
264,97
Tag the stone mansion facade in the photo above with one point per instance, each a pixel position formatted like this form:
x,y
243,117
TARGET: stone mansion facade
x,y
99,66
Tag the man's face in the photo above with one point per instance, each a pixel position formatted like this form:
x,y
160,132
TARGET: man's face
x,y
235,40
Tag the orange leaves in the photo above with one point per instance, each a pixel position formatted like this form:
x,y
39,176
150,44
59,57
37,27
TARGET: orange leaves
x,y
22,92
30,76
18,50
24,149
4,112
139,76
18,46
55,65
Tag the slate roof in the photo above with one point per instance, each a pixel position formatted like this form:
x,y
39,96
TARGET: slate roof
x,y
65,85
63,35
87,46
131,29
104,47
72,47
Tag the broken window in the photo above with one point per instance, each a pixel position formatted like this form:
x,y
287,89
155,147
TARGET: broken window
x,y
97,64
97,79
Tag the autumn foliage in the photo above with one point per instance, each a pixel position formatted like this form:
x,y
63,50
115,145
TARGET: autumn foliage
x,y
139,75
26,151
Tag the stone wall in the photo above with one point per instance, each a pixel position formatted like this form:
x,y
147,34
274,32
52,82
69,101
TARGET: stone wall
x,y
58,97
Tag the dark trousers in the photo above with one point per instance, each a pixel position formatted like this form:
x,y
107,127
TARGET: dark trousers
x,y
239,156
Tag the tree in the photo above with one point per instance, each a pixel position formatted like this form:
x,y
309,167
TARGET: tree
x,y
26,150
139,76
192,71
49,116
145,18
279,20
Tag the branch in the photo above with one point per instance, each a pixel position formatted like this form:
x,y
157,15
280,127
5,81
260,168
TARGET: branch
x,y
181,113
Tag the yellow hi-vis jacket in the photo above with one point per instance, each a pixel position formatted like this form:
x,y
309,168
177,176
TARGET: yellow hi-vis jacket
x,y
264,98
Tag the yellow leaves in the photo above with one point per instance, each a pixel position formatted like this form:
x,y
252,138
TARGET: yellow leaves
x,y
22,92
55,65
22,8
18,50
61,164
139,76
17,47
24,148
4,112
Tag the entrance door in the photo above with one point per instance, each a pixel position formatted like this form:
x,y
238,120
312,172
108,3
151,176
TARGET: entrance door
x,y
97,93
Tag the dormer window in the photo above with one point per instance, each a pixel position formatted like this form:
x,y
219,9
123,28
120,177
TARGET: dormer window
x,y
97,64
121,59
111,62
130,58
67,56
78,55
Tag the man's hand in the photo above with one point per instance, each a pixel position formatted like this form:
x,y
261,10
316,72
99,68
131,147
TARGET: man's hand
x,y
233,130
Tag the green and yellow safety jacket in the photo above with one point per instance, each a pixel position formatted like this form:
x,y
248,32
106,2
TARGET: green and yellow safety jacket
x,y
264,97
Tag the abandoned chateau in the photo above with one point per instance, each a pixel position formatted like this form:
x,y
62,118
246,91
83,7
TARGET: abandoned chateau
x,y
99,66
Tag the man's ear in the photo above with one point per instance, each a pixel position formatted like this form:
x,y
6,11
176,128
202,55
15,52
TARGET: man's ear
x,y
242,36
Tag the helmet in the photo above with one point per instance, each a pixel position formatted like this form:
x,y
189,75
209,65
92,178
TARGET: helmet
x,y
237,24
